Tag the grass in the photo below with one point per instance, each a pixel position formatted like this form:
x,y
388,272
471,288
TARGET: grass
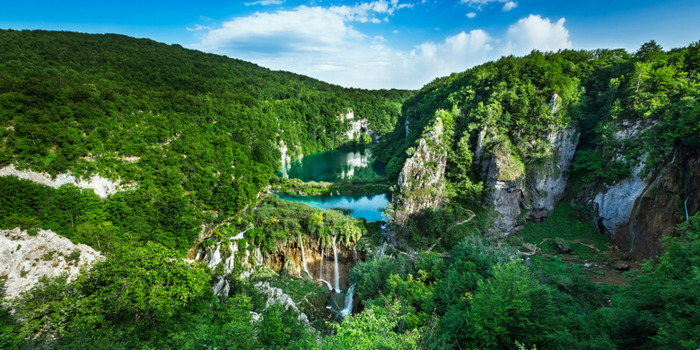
x,y
564,227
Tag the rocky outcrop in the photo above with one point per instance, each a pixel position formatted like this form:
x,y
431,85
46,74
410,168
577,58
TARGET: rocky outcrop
x,y
356,128
613,205
421,181
103,187
25,256
519,192
638,212
546,180
278,296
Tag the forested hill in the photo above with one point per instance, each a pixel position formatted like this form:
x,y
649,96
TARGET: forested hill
x,y
197,133
595,91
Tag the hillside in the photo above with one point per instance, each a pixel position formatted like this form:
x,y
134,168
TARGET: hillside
x,y
538,202
193,137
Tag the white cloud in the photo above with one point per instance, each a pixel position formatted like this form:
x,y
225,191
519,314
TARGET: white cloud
x,y
471,14
264,2
535,32
509,6
479,4
321,42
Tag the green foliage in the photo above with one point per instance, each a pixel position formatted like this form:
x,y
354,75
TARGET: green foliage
x,y
142,284
661,309
374,328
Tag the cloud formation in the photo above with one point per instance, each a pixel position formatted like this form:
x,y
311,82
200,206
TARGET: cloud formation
x,y
323,43
479,4
264,2
535,32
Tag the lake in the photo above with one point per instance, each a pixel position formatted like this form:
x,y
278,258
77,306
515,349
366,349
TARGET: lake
x,y
369,207
335,165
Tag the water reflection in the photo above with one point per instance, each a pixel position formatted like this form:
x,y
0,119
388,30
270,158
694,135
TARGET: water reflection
x,y
335,165
371,207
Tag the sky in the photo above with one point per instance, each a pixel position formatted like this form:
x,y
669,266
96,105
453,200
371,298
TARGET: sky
x,y
372,44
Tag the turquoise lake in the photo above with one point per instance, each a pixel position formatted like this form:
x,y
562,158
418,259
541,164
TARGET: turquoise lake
x,y
337,165
359,206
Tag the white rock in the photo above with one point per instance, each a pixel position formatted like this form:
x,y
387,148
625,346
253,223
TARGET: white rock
x,y
103,187
24,259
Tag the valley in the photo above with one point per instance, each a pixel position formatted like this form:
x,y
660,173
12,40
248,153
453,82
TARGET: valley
x,y
153,196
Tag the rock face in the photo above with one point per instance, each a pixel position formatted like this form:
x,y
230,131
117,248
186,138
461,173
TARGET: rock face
x,y
357,127
103,187
653,206
277,296
613,205
519,192
546,180
421,183
24,258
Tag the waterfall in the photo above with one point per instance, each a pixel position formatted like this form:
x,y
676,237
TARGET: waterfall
x,y
320,267
348,302
327,283
215,258
335,260
303,257
229,262
685,205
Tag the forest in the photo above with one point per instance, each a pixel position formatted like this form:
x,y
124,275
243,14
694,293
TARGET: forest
x,y
196,138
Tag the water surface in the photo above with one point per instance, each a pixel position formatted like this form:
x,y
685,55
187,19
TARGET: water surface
x,y
335,165
367,207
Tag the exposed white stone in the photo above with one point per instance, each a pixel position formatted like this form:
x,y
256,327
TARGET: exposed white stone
x,y
278,296
103,187
615,203
24,258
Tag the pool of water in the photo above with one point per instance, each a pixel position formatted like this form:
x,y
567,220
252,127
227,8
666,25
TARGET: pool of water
x,y
368,207
335,165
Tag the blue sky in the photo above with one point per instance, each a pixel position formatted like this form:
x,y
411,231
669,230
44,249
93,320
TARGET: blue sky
x,y
372,44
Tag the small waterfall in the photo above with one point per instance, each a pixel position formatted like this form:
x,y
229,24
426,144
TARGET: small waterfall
x,y
229,262
320,267
685,205
215,258
335,260
327,284
348,302
259,256
303,257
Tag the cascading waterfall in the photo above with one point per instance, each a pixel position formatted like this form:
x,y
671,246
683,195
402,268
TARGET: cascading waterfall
x,y
685,205
303,257
347,309
229,262
335,260
320,272
215,258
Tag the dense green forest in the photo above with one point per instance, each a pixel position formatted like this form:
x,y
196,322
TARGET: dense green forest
x,y
196,135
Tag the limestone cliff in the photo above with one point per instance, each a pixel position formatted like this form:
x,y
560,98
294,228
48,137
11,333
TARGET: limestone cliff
x,y
640,210
356,127
421,181
519,192
24,258
103,187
